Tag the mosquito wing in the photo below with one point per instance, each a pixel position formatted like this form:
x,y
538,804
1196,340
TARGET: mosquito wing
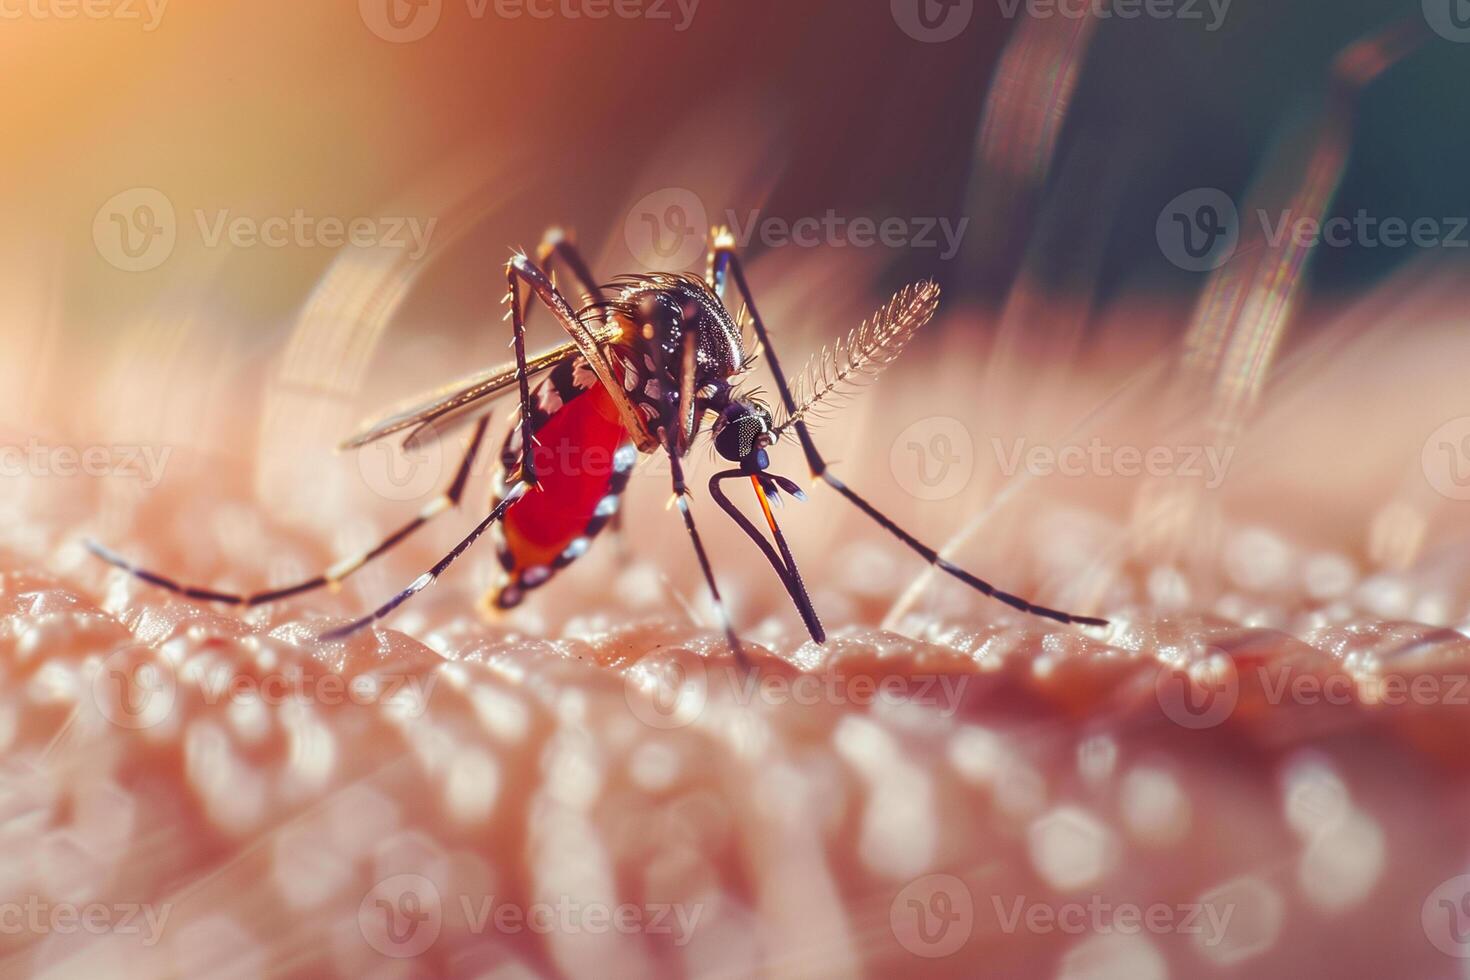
x,y
457,403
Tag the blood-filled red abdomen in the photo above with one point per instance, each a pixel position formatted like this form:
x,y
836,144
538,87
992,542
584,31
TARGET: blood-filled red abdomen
x,y
584,457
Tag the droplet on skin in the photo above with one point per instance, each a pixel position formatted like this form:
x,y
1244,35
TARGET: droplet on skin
x,y
654,766
1342,864
1241,919
1155,807
1114,956
1328,575
1258,560
1168,589
1314,797
471,787
1070,848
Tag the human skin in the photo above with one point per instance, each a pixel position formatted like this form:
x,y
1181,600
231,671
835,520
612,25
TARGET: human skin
x,y
1260,765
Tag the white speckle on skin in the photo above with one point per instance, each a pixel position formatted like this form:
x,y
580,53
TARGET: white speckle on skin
x,y
1342,864
899,826
471,787
1240,919
1070,848
1155,808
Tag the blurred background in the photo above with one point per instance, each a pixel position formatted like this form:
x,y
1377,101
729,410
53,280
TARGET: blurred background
x,y
235,230
1153,391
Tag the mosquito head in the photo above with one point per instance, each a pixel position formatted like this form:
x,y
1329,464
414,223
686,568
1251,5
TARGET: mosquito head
x,y
742,432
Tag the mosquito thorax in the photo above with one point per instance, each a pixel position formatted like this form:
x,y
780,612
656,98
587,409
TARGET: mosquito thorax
x,y
661,309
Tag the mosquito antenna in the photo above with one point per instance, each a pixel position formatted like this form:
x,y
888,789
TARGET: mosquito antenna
x,y
858,358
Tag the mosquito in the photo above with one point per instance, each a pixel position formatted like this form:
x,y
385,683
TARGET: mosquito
x,y
649,359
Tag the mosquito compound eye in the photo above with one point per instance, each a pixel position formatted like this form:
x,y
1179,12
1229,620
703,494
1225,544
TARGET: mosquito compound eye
x,y
741,432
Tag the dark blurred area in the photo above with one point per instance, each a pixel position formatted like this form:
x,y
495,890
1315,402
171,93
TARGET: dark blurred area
x,y
303,104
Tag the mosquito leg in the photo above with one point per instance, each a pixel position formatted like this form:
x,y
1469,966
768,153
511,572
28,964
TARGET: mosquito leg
x,y
428,578
523,376
784,563
589,341
681,500
332,576
557,247
717,263
726,257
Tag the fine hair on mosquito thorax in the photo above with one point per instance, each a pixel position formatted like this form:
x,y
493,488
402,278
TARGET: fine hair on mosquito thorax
x,y
662,308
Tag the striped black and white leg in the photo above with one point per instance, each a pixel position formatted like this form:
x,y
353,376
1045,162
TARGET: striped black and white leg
x,y
332,576
427,579
727,263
